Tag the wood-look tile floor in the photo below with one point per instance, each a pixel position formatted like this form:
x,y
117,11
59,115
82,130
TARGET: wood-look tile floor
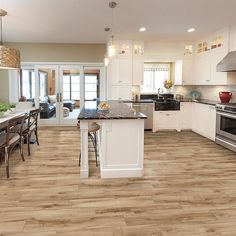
x,y
188,188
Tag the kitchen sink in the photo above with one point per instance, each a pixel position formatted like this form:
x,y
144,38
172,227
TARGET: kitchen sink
x,y
167,105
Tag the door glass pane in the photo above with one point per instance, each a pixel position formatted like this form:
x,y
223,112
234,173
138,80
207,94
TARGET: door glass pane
x,y
47,93
91,78
71,93
27,85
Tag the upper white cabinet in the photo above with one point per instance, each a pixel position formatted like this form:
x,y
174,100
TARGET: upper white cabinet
x,y
208,54
138,62
202,68
184,71
138,70
126,68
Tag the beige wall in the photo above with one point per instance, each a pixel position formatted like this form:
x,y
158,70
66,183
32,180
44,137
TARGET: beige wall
x,y
49,52
4,86
54,52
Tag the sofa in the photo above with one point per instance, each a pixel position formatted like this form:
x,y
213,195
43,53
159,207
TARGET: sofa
x,y
48,108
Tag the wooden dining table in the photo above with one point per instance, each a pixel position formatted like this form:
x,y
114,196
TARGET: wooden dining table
x,y
12,115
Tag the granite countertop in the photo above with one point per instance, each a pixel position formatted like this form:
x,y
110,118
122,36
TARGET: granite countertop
x,y
118,110
203,101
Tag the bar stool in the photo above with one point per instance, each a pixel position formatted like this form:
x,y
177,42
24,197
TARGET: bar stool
x,y
92,134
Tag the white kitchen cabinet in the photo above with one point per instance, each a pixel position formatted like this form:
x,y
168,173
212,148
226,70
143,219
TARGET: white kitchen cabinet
x,y
125,69
202,68
178,72
166,120
185,115
205,62
204,120
124,48
184,71
138,70
121,71
211,129
119,92
187,77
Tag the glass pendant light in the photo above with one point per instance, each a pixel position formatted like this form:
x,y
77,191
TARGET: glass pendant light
x,y
111,46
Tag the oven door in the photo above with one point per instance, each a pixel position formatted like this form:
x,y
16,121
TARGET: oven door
x,y
226,125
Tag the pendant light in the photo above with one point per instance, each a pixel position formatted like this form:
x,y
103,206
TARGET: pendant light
x,y
9,57
111,46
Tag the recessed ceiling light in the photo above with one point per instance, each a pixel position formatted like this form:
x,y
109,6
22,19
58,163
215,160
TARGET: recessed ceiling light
x,y
191,30
142,29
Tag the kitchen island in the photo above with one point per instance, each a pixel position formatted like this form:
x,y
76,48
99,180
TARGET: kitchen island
x,y
120,140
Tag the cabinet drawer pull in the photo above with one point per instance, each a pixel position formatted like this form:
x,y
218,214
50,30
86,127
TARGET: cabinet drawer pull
x,y
167,114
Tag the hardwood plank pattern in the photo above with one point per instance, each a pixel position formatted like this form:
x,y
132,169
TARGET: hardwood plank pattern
x,y
188,188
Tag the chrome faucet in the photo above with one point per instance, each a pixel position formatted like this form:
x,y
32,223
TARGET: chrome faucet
x,y
160,90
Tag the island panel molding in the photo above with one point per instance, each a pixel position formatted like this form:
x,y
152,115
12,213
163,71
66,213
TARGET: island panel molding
x,y
120,141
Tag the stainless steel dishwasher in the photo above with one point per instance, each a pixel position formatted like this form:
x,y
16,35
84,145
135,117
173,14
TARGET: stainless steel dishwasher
x,y
146,109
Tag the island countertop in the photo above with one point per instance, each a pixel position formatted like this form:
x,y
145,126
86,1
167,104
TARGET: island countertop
x,y
118,110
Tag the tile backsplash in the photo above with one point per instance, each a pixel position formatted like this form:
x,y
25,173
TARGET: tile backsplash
x,y
207,91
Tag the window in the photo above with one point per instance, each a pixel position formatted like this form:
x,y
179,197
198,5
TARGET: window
x,y
71,87
91,87
43,84
154,77
27,84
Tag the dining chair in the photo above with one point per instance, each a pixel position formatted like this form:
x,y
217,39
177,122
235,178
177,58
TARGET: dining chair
x,y
10,137
32,126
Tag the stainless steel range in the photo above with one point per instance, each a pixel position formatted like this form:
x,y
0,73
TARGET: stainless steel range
x,y
226,125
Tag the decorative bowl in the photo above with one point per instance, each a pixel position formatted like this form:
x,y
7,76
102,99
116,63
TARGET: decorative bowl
x,y
103,106
103,109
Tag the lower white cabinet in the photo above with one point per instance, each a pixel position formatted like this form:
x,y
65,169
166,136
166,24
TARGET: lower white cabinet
x,y
200,118
119,93
185,115
204,120
166,120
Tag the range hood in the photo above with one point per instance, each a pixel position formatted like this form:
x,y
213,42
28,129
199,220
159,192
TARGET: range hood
x,y
228,63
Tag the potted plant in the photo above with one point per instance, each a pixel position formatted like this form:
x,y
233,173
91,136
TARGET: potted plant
x,y
3,109
12,106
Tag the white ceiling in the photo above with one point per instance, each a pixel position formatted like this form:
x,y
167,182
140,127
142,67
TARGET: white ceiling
x,y
83,21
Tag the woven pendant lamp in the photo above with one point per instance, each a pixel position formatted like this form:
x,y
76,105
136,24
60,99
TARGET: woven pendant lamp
x,y
9,57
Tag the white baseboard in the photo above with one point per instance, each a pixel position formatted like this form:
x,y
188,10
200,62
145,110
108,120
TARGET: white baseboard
x,y
121,173
84,174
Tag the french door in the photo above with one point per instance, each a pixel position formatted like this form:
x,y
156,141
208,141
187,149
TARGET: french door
x,y
61,90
